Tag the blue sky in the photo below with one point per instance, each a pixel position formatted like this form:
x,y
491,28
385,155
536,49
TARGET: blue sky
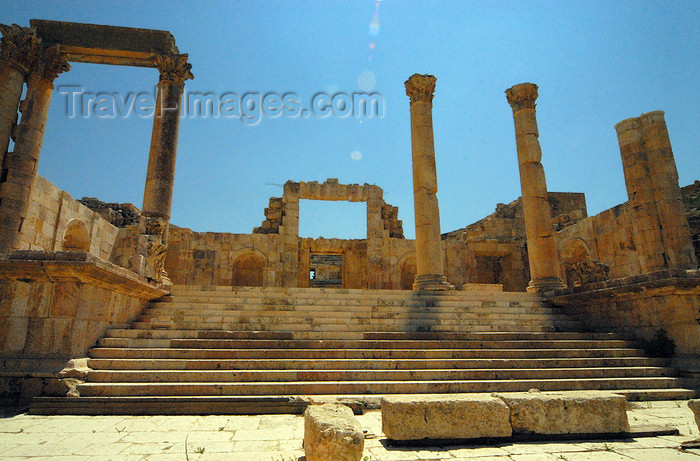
x,y
596,63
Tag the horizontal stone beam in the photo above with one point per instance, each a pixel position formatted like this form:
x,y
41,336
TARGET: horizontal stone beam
x,y
457,416
485,416
100,44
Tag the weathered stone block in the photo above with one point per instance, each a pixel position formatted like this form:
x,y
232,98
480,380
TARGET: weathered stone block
x,y
571,412
461,416
332,433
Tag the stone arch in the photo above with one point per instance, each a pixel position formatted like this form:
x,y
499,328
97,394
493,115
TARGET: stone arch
x,y
76,236
248,268
574,251
407,271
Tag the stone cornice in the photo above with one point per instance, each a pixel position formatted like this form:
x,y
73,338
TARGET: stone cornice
x,y
19,46
174,68
420,87
522,96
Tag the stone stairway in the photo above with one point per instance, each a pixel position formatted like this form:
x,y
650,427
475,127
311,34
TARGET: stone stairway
x,y
224,349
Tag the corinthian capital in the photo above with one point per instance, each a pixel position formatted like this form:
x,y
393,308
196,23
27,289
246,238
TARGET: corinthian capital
x,y
174,68
19,46
522,96
53,62
420,87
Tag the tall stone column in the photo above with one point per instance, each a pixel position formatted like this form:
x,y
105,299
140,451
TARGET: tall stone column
x,y
20,166
429,265
662,234
18,50
158,194
542,253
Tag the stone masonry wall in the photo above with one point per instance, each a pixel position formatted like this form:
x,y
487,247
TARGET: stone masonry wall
x,y
52,212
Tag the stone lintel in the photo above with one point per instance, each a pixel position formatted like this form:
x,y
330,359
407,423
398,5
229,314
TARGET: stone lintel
x,y
106,44
75,266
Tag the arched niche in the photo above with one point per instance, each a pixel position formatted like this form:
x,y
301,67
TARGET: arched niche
x,y
76,236
248,269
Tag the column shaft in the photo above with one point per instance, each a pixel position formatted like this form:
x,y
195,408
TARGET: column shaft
x,y
160,177
542,253
20,166
429,265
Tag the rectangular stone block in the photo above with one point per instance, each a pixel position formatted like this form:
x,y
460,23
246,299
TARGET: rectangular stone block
x,y
568,412
438,416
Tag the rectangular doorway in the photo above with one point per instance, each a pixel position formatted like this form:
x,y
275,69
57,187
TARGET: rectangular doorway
x,y
326,270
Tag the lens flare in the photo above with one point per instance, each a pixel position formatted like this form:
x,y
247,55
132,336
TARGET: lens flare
x,y
374,25
356,155
366,81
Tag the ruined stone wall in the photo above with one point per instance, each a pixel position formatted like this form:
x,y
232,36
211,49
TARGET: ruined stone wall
x,y
56,222
211,258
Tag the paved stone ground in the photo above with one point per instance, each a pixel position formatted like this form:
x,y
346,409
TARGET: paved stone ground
x,y
278,438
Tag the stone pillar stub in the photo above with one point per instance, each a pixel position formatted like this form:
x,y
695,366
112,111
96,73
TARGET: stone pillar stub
x,y
20,166
289,233
542,254
429,264
662,234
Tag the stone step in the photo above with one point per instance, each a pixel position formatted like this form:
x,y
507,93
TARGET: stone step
x,y
276,317
236,376
368,387
362,344
342,310
343,353
359,328
242,334
363,364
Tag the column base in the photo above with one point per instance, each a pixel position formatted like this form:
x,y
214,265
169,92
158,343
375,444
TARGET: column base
x,y
545,284
432,282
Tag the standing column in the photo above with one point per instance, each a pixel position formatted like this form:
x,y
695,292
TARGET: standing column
x,y
20,166
429,266
661,231
18,49
542,254
158,194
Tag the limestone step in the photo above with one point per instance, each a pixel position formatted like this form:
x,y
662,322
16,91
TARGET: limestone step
x,y
373,354
343,311
368,387
363,364
238,376
229,334
360,328
363,344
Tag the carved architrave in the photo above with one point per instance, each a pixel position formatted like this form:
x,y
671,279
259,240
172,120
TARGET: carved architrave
x,y
522,96
174,68
590,271
19,46
420,87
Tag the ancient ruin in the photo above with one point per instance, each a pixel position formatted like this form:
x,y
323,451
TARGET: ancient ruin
x,y
550,297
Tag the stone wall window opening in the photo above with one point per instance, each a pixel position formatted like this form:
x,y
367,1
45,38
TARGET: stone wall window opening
x,y
332,219
76,236
327,270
